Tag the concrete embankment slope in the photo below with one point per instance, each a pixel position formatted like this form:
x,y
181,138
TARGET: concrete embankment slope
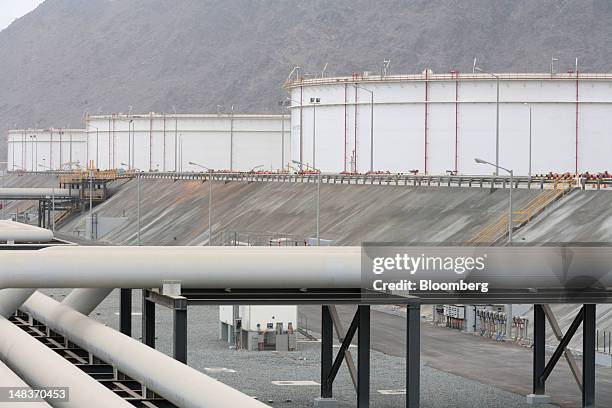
x,y
583,216
176,213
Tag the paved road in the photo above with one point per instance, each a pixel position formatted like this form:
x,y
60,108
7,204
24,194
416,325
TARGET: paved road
x,y
506,366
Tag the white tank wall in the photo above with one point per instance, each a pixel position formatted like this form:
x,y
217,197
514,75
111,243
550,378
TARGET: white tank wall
x,y
205,139
460,112
40,149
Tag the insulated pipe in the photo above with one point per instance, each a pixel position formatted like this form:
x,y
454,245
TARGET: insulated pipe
x,y
195,267
86,300
18,232
294,267
11,299
10,379
173,380
39,366
36,193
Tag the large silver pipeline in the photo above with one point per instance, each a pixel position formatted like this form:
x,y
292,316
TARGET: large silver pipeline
x,y
36,193
211,267
175,381
289,267
9,379
18,232
39,366
85,300
11,299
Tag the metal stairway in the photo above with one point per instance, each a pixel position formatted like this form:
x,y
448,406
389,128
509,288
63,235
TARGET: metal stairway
x,y
498,229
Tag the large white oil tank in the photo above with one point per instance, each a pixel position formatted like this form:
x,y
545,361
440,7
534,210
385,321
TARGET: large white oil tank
x,y
438,123
168,142
45,149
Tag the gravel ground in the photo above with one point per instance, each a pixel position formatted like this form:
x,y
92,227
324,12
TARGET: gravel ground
x,y
254,371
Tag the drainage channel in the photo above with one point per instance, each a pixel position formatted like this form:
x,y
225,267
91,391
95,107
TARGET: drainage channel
x,y
125,387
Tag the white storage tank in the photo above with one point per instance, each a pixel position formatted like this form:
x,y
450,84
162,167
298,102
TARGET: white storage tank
x,y
168,142
45,149
437,123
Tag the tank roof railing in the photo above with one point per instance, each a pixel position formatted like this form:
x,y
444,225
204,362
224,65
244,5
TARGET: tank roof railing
x,y
453,76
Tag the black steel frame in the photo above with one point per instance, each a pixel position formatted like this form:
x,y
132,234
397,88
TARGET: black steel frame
x,y
178,304
541,369
324,297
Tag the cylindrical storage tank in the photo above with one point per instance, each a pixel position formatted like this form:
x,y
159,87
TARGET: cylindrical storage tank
x,y
168,141
45,149
436,123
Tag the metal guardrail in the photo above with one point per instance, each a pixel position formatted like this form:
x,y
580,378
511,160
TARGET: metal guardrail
x,y
505,76
98,175
483,181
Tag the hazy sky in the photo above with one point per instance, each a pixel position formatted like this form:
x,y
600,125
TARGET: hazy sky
x,y
12,9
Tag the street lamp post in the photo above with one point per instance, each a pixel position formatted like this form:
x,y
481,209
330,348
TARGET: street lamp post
x,y
61,150
97,143
232,139
137,204
510,227
180,152
314,102
299,163
175,139
34,160
129,165
481,161
36,146
91,232
496,119
210,191
284,104
3,176
371,125
529,106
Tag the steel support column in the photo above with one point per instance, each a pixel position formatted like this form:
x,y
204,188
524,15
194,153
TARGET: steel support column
x,y
48,210
40,218
125,312
363,357
413,351
179,343
539,350
148,320
327,352
340,332
588,356
562,345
